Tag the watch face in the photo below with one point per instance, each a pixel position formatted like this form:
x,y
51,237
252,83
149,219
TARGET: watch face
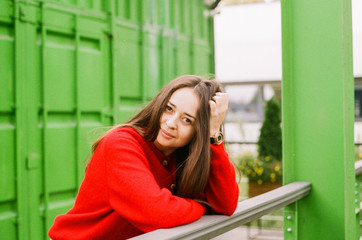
x,y
217,139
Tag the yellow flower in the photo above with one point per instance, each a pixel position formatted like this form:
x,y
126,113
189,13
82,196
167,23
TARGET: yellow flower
x,y
260,182
267,158
272,177
260,171
277,168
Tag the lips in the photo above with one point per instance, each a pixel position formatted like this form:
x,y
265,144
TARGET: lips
x,y
166,134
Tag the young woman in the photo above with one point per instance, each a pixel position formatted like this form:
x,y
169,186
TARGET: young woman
x,y
165,167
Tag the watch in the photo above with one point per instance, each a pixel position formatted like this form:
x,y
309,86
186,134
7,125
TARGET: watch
x,y
217,139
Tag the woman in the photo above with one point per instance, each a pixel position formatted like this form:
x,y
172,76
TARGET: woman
x,y
165,167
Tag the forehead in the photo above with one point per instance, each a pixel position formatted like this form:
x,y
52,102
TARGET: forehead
x,y
186,100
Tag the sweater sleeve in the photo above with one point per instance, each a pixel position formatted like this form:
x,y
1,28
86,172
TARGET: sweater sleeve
x,y
134,192
222,191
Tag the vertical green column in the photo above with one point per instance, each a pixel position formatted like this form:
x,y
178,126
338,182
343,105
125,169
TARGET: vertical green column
x,y
318,117
22,184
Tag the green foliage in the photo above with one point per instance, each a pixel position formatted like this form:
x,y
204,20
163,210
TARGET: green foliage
x,y
261,170
267,166
270,139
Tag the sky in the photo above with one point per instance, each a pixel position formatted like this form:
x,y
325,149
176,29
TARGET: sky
x,y
248,48
248,41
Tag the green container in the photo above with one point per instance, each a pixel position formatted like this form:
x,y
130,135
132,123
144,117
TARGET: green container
x,y
67,67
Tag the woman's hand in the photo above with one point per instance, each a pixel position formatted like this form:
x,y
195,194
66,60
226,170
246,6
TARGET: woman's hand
x,y
218,108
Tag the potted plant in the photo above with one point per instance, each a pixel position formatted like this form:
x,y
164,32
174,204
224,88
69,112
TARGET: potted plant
x,y
265,170
264,173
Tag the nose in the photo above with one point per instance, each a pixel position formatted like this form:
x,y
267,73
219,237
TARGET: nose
x,y
171,122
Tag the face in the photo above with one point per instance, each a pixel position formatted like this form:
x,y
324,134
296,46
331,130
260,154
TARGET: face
x,y
177,123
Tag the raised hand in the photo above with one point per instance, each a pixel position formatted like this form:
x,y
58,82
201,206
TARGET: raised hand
x,y
218,108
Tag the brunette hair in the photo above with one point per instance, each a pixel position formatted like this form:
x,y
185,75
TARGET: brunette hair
x,y
193,159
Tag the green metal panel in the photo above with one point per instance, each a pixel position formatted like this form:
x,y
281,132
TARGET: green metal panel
x,y
202,57
88,5
69,67
318,117
76,93
168,53
8,196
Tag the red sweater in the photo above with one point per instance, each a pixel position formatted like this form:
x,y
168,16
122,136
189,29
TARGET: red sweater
x,y
127,191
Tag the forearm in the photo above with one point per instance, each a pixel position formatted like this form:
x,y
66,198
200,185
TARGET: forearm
x,y
222,191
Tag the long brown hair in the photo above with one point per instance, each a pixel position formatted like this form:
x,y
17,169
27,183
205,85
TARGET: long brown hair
x,y
194,159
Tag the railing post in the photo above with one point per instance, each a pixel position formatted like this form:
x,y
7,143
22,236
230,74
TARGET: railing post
x,y
318,117
357,195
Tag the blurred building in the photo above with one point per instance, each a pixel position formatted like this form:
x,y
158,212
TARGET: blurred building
x,y
248,62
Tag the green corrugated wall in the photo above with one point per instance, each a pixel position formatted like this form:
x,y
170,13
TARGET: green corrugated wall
x,y
70,66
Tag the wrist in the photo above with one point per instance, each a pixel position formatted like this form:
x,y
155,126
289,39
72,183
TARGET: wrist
x,y
217,138
213,132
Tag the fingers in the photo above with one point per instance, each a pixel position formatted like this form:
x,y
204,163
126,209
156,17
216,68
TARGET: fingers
x,y
219,103
212,104
218,108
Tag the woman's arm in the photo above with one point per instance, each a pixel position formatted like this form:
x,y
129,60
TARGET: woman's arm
x,y
222,191
134,192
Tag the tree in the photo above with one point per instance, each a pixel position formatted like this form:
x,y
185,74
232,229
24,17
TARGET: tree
x,y
270,139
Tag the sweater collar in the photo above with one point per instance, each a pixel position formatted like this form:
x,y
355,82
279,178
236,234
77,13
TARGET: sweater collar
x,y
158,153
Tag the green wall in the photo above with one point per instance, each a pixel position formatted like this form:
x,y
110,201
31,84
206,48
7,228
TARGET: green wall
x,y
67,67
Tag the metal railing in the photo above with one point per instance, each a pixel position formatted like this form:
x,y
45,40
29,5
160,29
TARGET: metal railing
x,y
210,226
248,210
358,167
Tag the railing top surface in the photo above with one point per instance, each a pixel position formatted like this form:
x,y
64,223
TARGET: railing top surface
x,y
213,225
358,167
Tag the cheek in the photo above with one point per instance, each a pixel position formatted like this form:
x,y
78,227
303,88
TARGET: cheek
x,y
162,118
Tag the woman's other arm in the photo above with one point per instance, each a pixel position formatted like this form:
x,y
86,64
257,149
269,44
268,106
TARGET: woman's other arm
x,y
222,190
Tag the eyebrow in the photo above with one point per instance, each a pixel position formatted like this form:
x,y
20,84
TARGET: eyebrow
x,y
173,105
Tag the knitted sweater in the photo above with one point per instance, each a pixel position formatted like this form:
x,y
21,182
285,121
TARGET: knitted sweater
x,y
127,190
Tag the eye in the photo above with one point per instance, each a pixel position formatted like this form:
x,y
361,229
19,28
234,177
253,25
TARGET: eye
x,y
187,121
168,108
